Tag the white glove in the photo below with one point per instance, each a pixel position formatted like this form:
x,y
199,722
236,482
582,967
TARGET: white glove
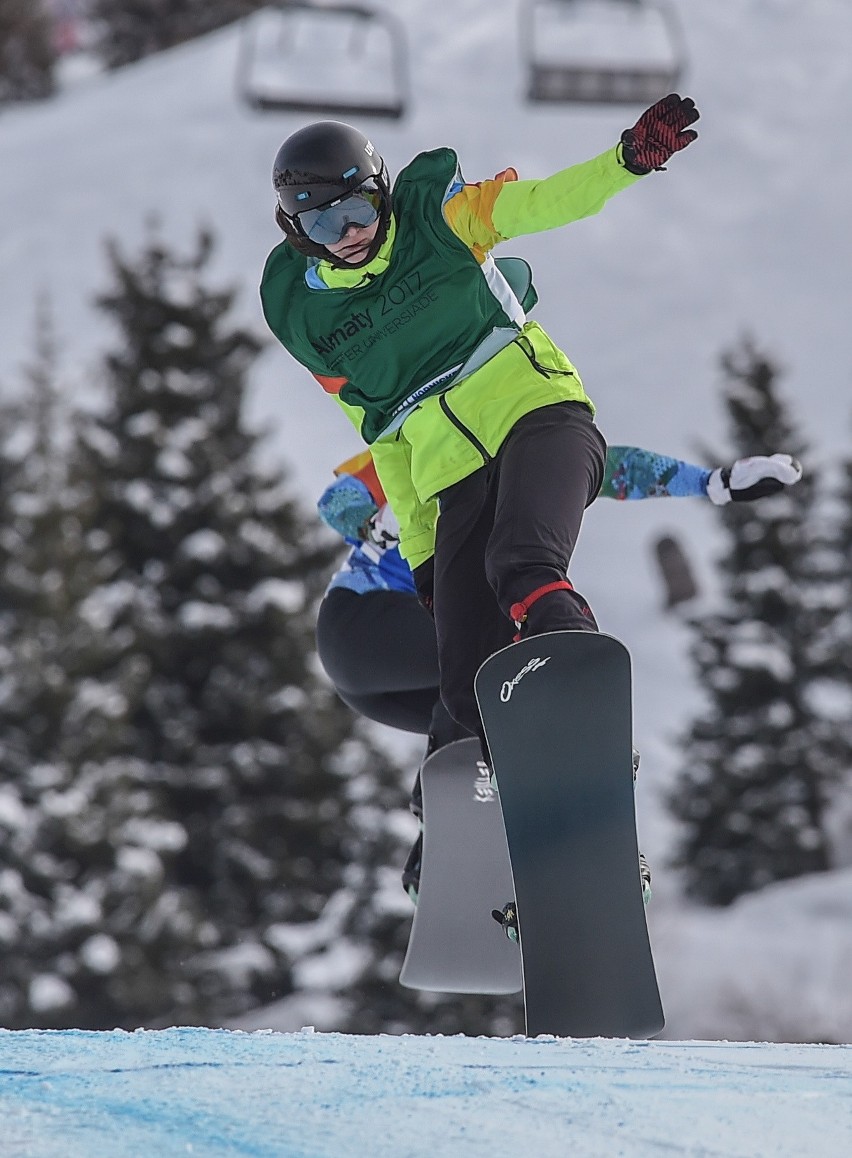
x,y
753,478
382,530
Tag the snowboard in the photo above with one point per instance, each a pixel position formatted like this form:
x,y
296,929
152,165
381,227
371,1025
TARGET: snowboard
x,y
455,946
557,713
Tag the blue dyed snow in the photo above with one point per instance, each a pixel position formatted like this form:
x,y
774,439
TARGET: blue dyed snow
x,y
164,1093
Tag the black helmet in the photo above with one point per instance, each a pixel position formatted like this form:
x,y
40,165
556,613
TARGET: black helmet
x,y
319,165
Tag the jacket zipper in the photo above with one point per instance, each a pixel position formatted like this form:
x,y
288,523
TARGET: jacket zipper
x,y
545,371
460,426
525,346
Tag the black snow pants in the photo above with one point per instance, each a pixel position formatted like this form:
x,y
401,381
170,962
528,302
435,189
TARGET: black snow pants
x,y
504,532
378,649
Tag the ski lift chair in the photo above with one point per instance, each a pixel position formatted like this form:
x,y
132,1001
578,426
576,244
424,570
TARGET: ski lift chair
x,y
600,51
335,58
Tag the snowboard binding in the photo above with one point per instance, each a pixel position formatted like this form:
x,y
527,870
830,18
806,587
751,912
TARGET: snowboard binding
x,y
507,918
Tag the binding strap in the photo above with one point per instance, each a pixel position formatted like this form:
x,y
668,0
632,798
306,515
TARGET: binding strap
x,y
518,611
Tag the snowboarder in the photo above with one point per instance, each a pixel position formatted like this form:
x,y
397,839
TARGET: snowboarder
x,y
377,643
392,299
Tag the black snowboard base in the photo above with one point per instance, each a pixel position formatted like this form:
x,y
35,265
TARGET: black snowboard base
x,y
557,712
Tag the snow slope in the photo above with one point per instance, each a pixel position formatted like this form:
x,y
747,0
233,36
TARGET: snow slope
x,y
746,232
307,1095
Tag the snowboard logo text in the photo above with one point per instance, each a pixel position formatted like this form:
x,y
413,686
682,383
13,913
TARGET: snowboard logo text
x,y
483,790
510,685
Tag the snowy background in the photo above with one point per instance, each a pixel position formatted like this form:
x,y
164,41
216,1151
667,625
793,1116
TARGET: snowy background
x,y
746,233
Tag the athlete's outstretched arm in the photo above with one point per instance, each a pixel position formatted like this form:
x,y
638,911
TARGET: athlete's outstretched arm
x,y
635,473
348,506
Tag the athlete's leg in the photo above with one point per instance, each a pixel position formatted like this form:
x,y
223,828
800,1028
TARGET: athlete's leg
x,y
378,648
468,620
551,467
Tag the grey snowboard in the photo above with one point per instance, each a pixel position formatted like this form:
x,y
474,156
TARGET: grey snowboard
x,y
558,716
455,945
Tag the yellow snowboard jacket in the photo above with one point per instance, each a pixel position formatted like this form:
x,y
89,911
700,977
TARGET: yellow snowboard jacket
x,y
445,436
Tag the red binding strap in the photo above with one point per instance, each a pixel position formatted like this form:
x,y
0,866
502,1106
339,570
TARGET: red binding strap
x,y
518,611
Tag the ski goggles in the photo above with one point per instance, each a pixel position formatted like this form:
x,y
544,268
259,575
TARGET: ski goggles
x,y
328,224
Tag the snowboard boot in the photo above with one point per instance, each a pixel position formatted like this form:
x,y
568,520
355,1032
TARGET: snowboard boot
x,y
554,607
644,868
411,872
645,876
415,800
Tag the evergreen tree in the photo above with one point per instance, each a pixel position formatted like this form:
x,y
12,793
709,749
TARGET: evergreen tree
x,y
27,53
758,763
192,793
836,693
191,824
132,29
46,564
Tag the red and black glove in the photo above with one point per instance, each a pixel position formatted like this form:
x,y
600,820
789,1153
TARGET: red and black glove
x,y
659,132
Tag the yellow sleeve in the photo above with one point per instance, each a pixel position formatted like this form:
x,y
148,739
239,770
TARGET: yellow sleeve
x,y
417,521
569,195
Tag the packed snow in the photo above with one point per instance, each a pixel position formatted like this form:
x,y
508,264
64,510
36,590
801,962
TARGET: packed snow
x,y
315,1095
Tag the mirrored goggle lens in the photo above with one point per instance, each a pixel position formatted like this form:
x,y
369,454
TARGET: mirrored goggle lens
x,y
329,223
